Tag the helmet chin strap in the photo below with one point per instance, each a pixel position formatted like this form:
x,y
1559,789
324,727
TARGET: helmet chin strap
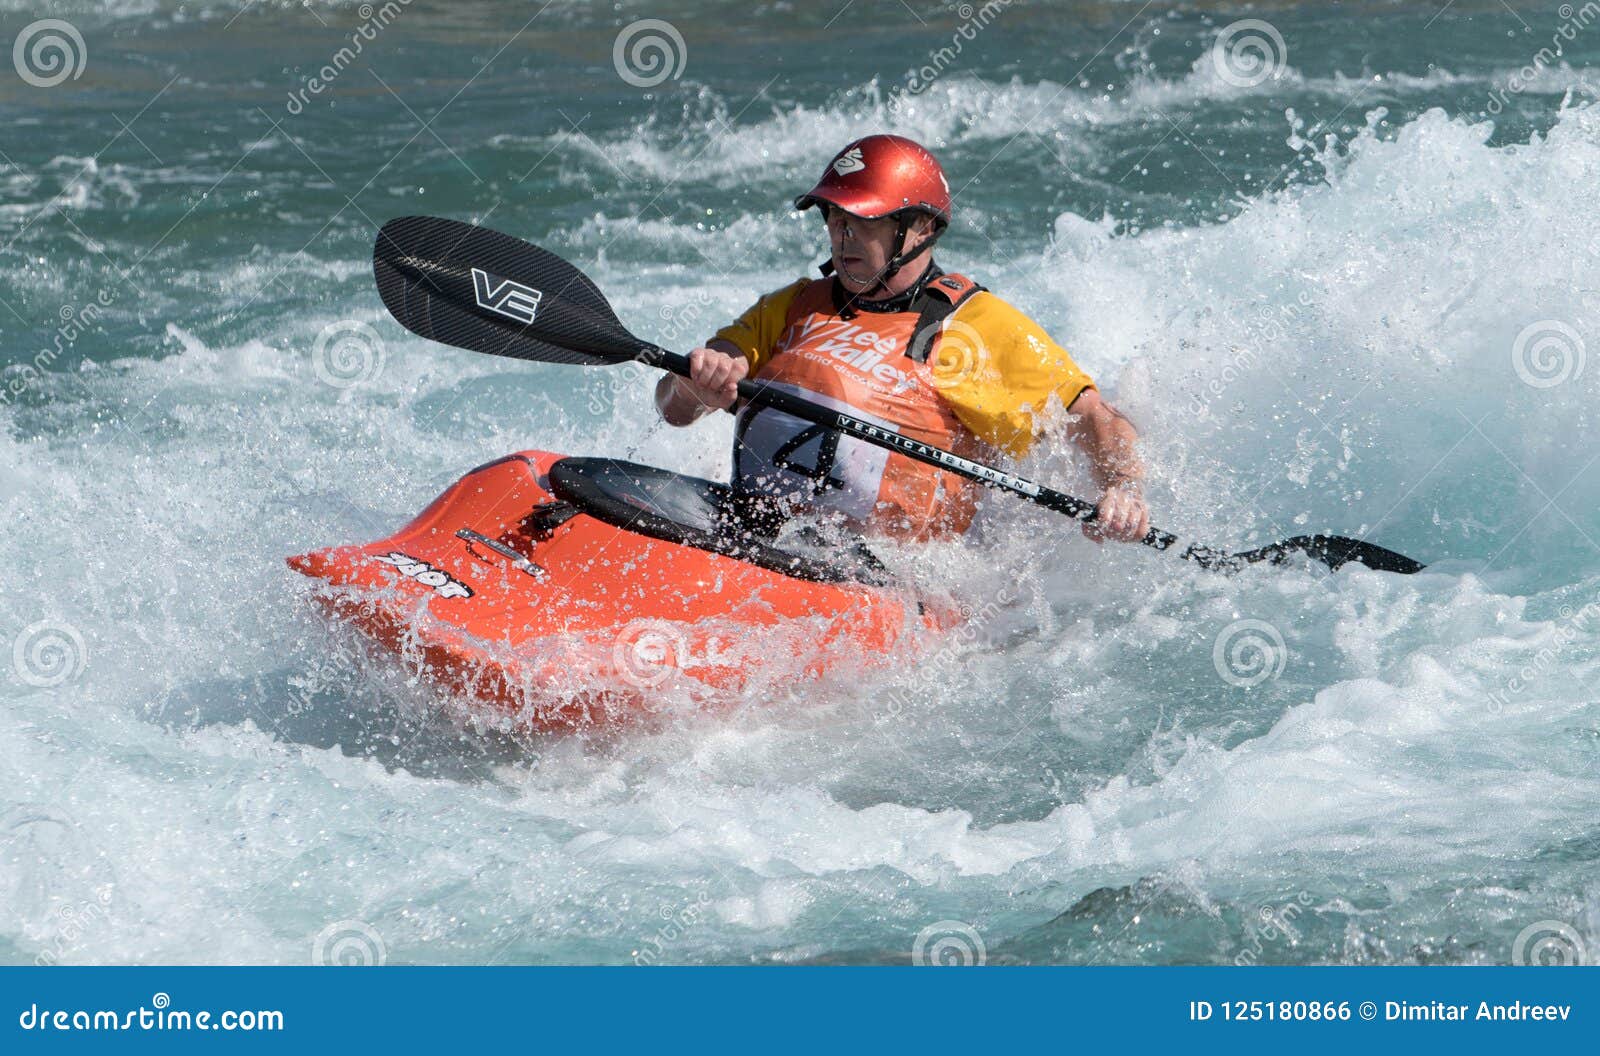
x,y
900,260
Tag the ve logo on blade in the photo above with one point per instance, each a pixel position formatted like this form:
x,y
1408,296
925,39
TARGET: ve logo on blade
x,y
442,583
505,297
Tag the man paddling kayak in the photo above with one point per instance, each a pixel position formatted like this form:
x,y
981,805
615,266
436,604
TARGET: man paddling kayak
x,y
889,337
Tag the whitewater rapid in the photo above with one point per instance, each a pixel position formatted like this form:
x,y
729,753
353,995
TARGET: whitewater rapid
x,y
1135,760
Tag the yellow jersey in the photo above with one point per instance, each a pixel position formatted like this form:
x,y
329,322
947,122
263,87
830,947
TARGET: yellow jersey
x,y
995,367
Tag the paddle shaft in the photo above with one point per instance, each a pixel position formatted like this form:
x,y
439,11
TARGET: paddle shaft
x,y
486,291
1049,498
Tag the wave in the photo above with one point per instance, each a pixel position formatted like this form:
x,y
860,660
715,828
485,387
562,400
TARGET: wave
x,y
962,112
1341,355
1372,352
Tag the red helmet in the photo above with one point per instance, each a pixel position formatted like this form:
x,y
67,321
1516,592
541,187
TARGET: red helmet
x,y
882,175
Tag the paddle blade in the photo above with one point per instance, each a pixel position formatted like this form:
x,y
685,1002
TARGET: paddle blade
x,y
485,291
1333,551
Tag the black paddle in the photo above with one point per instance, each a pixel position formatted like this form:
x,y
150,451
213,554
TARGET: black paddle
x,y
481,290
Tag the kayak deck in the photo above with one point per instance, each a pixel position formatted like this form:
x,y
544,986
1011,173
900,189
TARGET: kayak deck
x,y
507,592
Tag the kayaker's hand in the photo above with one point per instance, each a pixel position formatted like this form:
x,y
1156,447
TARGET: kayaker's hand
x,y
1121,514
713,378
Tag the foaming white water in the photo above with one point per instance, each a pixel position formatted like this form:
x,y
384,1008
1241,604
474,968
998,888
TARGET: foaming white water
x,y
1415,727
1400,350
966,110
70,185
1205,82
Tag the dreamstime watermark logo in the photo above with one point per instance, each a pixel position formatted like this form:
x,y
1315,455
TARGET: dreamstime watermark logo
x,y
1248,653
1573,20
974,19
159,1015
309,687
75,322
374,19
648,653
1249,52
1548,353
677,321
678,923
347,353
960,355
940,666
1265,327
1271,923
1549,943
52,875
49,653
349,943
72,922
649,52
49,52
949,944
1572,626
1241,362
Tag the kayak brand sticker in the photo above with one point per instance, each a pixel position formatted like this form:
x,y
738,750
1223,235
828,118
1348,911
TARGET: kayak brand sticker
x,y
504,296
848,162
442,583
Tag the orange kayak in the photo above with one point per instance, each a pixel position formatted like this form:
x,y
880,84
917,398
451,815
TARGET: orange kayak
x,y
570,591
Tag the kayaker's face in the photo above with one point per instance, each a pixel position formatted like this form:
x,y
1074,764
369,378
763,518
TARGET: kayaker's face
x,y
863,248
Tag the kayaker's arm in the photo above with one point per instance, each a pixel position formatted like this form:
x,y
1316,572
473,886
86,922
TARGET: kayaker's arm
x,y
1110,440
713,385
